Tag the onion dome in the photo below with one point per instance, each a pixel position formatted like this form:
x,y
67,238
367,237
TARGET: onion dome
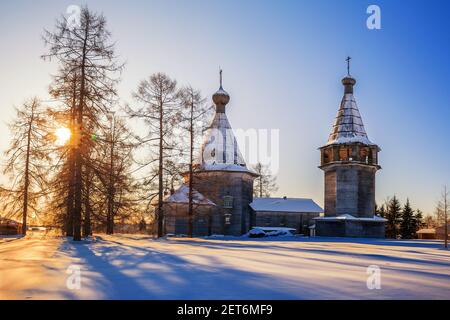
x,y
221,97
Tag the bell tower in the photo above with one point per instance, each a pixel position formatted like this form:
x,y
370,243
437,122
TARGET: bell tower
x,y
350,162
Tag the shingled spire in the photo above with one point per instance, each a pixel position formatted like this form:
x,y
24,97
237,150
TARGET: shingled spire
x,y
348,126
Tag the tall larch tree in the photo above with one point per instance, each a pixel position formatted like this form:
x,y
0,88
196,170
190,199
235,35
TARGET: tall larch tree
x,y
194,114
26,157
114,171
158,107
85,55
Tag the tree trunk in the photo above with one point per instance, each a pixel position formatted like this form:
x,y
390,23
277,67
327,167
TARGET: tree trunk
x,y
160,213
78,198
110,213
445,218
78,157
191,173
260,186
70,196
87,231
27,175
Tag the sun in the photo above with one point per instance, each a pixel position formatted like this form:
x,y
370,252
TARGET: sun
x,y
62,136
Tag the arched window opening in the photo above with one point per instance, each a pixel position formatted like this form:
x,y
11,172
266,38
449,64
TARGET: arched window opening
x,y
364,155
326,156
343,154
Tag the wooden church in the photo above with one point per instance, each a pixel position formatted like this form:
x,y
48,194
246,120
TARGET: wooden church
x,y
222,186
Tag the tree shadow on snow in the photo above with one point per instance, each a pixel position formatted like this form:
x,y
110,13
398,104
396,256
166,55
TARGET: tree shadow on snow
x,y
274,249
115,270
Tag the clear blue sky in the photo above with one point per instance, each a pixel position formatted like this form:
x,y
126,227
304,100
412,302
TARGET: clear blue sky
x,y
283,62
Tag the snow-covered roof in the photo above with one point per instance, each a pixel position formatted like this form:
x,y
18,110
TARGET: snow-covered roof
x,y
182,196
350,217
274,228
348,126
220,150
225,166
285,205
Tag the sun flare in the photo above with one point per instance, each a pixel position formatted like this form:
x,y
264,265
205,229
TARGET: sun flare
x,y
62,136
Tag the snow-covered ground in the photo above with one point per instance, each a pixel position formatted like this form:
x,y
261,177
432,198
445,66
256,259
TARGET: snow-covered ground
x,y
137,267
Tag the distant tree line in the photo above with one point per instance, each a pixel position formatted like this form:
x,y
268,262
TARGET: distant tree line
x,y
404,222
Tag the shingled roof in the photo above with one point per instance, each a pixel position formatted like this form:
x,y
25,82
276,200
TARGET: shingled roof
x,y
348,126
182,196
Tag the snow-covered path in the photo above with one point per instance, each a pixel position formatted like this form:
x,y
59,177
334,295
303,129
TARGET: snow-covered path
x,y
137,267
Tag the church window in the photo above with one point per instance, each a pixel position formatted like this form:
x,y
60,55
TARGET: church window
x,y
227,218
228,202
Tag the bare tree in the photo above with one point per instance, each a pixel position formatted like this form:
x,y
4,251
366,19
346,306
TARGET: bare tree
x,y
86,56
442,213
115,174
25,158
429,221
265,184
158,98
195,111
64,90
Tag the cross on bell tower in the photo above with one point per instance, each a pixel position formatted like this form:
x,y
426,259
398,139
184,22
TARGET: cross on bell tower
x,y
348,65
